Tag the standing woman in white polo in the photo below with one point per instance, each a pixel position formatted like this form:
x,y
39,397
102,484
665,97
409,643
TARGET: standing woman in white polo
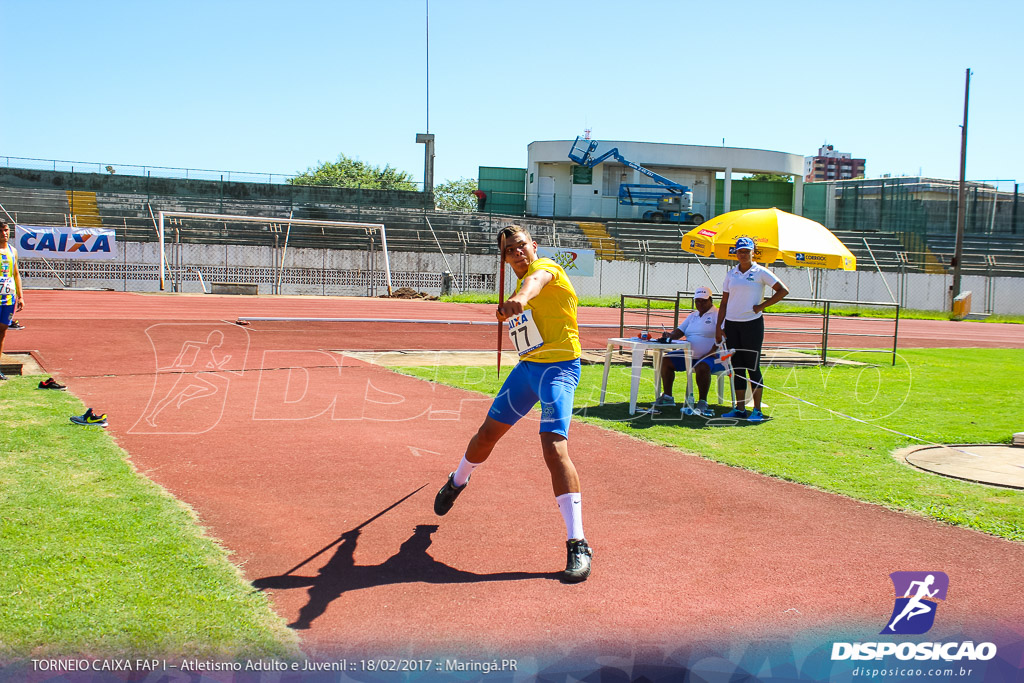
x,y
740,320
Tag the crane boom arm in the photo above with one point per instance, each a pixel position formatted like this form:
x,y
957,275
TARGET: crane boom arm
x,y
585,157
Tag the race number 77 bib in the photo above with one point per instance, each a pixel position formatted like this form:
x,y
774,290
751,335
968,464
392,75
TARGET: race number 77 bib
x,y
6,286
523,332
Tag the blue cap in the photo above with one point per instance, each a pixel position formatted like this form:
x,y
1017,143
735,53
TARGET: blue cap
x,y
744,243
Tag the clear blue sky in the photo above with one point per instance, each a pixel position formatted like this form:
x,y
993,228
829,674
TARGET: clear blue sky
x,y
276,87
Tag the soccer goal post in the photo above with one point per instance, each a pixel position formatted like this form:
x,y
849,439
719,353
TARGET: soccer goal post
x,y
163,217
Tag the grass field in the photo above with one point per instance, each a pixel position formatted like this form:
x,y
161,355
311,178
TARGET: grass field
x,y
849,311
96,559
941,395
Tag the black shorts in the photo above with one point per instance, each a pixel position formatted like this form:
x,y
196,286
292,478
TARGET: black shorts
x,y
746,339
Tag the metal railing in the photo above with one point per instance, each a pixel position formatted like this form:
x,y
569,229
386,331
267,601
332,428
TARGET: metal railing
x,y
647,312
820,331
116,168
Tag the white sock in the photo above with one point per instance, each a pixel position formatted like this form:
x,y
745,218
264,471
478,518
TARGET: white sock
x,y
464,470
572,512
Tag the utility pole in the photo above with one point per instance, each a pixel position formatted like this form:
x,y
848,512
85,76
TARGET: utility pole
x,y
961,203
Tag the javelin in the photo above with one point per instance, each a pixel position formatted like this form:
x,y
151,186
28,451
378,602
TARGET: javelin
x,y
338,540
864,422
501,290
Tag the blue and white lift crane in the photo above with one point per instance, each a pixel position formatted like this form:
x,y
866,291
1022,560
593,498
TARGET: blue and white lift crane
x,y
673,201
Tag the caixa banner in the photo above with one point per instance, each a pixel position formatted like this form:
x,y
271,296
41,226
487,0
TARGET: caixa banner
x,y
35,241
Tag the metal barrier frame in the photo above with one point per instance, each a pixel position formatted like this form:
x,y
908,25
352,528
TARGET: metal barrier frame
x,y
622,310
821,332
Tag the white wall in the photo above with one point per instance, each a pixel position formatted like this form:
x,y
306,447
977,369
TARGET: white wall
x,y
739,159
686,164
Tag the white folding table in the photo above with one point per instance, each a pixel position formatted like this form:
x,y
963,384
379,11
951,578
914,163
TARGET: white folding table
x,y
639,349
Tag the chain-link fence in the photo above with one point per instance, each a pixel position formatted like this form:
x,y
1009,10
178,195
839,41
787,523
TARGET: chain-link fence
x,y
116,168
916,205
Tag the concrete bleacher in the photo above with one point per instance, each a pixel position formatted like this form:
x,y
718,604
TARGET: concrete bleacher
x,y
983,254
653,241
31,207
887,249
133,217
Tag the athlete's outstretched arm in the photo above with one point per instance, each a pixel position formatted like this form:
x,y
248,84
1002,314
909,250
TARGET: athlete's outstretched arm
x,y
530,288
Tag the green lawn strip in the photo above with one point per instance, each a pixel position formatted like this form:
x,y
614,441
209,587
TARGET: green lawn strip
x,y
1004,318
97,560
888,312
941,395
635,305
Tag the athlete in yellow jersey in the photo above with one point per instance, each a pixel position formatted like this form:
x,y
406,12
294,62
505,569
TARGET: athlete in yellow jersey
x,y
542,320
11,299
554,311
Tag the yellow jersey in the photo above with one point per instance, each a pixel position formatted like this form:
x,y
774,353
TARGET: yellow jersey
x,y
8,263
554,312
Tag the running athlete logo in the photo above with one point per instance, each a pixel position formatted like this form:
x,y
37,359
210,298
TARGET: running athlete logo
x,y
917,595
194,367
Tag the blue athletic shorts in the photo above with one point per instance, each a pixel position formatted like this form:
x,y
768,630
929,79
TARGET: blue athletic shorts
x,y
7,314
553,384
679,362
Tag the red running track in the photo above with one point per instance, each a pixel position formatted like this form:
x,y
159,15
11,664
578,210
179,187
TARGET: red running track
x,y
283,449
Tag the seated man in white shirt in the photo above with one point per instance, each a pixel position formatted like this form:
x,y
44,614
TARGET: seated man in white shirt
x,y
699,329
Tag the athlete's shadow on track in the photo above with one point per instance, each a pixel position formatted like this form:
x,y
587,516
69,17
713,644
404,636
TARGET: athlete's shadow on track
x,y
411,564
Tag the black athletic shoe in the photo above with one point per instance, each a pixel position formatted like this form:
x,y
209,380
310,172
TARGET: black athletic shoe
x,y
577,561
15,325
90,418
51,383
445,498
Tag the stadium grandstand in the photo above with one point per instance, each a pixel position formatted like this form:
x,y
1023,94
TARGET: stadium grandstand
x,y
423,242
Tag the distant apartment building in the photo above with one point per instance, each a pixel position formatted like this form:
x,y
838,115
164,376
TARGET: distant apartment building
x,y
832,165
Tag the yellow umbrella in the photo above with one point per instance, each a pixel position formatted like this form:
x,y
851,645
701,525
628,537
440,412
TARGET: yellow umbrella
x,y
798,241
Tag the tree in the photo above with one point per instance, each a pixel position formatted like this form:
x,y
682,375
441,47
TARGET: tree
x,y
347,172
777,177
456,195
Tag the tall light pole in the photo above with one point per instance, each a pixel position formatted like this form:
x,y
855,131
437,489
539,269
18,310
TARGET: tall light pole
x,y
961,203
426,24
427,139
